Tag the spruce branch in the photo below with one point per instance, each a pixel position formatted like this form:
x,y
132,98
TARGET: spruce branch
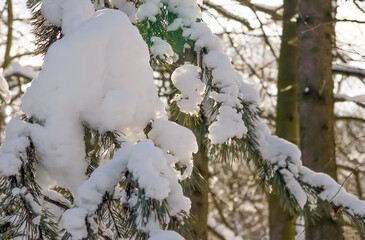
x,y
45,33
22,204
99,146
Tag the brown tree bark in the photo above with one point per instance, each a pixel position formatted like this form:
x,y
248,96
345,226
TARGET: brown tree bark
x,y
7,58
9,36
316,102
199,197
282,224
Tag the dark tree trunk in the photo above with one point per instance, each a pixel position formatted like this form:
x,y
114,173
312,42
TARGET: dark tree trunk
x,y
199,197
282,224
9,37
316,100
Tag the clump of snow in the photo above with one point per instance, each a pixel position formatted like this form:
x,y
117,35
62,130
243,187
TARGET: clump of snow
x,y
186,10
67,14
165,235
249,93
151,225
176,141
33,204
285,158
294,187
16,191
90,193
148,166
13,149
162,49
52,11
175,25
203,36
224,77
176,199
74,13
55,196
229,96
4,89
127,7
332,191
186,79
74,222
116,82
148,10
229,124
281,152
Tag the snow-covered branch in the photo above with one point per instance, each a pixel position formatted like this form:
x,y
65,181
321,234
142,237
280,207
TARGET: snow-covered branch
x,y
345,97
348,70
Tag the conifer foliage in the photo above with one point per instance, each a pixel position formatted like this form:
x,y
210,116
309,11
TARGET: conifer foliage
x,y
95,157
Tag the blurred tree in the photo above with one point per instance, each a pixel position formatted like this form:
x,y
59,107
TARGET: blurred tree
x,y
9,37
282,223
316,104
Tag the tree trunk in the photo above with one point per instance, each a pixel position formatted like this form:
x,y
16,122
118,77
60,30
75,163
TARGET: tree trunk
x,y
7,58
9,37
199,197
282,224
316,101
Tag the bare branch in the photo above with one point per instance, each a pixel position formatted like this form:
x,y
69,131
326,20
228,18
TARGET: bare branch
x,y
338,98
267,41
347,70
347,177
358,6
349,168
228,14
354,140
350,20
220,212
273,12
23,54
356,172
349,118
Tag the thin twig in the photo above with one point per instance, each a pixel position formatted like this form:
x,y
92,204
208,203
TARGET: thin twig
x,y
58,204
357,138
343,183
267,41
228,14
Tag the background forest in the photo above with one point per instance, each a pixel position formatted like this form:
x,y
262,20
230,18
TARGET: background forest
x,y
284,54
